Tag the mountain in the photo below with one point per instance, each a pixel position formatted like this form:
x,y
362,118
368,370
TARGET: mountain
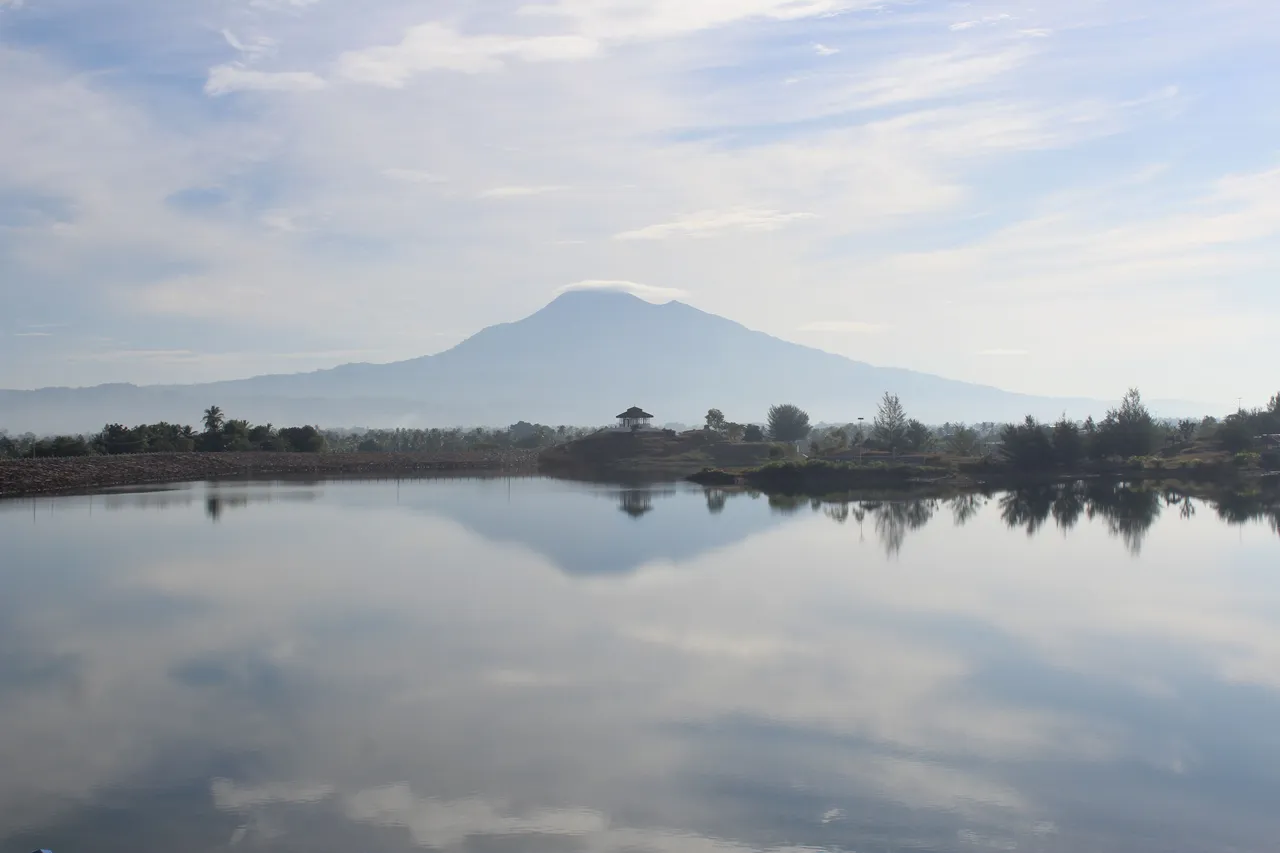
x,y
580,360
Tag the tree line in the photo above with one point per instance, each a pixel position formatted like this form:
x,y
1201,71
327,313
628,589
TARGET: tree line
x,y
1126,431
222,434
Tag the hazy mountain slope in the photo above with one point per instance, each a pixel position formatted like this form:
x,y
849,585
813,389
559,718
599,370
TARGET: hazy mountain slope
x,y
579,360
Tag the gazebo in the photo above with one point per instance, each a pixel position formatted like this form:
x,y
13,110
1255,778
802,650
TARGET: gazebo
x,y
634,418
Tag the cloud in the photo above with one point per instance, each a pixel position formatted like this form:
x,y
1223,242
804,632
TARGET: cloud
x,y
647,292
224,79
33,334
435,47
626,20
414,176
519,191
255,48
963,25
1003,353
850,326
282,5
228,796
711,222
917,78
441,824
823,50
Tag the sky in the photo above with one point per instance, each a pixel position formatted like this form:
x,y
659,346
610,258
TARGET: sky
x,y
1062,198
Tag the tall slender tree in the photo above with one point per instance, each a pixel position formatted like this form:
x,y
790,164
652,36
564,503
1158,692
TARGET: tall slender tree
x,y
890,426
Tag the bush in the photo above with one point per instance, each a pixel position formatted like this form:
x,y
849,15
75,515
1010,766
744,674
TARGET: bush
x,y
776,452
1247,459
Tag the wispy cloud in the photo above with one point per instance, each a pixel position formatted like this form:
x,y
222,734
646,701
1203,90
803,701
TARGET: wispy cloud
x,y
436,47
519,191
414,176
627,20
253,48
824,50
224,79
711,222
648,292
1003,353
918,78
856,327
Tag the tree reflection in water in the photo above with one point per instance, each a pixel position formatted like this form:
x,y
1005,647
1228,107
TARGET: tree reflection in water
x,y
894,520
716,499
1128,511
965,508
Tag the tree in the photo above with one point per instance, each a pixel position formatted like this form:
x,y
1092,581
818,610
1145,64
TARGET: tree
x,y
1274,404
1187,429
753,433
963,441
305,439
788,423
213,419
1129,430
734,432
1027,446
715,420
890,426
1236,434
1068,445
235,436
918,436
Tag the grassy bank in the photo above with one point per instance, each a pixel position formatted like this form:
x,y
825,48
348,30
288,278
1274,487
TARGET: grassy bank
x,y
652,453
820,477
86,473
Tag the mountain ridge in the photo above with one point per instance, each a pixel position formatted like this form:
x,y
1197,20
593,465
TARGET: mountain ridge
x,y
579,359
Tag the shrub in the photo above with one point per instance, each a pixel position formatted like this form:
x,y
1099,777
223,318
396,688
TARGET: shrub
x,y
1247,459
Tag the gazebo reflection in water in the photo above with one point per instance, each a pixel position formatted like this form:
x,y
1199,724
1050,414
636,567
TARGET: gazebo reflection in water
x,y
636,502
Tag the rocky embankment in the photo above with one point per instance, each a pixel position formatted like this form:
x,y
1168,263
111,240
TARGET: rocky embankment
x,y
86,473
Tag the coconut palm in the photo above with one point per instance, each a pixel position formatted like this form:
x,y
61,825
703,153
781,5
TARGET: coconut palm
x,y
213,419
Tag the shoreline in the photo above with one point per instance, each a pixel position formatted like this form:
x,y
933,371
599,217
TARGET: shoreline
x,y
84,474
819,478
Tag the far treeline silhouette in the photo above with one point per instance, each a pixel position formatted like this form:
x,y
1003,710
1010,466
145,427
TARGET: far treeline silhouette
x,y
1128,431
220,434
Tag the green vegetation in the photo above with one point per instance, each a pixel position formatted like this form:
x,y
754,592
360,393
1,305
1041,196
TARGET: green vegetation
x,y
788,423
889,430
221,434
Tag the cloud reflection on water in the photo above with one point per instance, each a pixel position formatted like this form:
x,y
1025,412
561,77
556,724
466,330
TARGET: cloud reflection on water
x,y
353,662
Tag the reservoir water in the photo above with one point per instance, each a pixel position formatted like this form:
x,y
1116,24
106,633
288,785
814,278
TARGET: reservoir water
x,y
532,665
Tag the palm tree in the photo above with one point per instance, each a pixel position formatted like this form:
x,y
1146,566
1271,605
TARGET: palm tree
x,y
213,419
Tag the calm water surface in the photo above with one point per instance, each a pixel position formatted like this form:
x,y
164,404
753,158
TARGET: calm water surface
x,y
528,665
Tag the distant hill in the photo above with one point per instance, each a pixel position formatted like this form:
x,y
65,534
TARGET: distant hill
x,y
580,360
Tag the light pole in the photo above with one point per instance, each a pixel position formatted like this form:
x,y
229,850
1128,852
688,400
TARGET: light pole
x,y
862,440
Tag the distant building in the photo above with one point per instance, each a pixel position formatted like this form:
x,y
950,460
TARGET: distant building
x,y
635,418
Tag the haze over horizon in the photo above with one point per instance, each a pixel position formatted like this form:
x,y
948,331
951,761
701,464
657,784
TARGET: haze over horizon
x,y
1060,201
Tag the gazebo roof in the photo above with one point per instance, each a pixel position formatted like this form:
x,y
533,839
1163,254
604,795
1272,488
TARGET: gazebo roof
x,y
634,413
